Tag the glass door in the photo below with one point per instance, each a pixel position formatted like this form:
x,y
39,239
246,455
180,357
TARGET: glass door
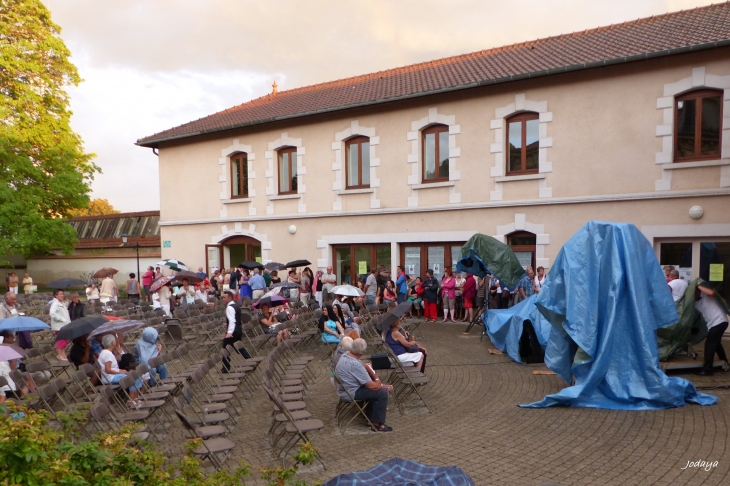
x,y
363,261
436,259
412,261
213,258
715,266
343,266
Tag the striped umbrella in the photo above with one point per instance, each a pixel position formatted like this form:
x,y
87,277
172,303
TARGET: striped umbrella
x,y
157,284
176,265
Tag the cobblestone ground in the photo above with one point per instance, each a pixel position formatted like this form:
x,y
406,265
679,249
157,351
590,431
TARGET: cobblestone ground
x,y
477,425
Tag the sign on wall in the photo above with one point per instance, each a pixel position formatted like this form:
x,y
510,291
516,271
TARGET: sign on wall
x,y
362,267
167,244
716,272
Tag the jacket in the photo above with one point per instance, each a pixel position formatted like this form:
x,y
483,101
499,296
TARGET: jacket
x,y
470,288
401,284
448,286
430,290
76,311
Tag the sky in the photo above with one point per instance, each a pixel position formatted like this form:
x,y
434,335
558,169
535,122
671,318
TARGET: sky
x,y
149,65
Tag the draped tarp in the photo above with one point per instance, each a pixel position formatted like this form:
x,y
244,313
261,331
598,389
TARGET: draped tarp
x,y
483,254
402,472
505,328
606,296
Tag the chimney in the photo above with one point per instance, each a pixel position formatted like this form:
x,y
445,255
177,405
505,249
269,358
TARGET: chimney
x,y
275,88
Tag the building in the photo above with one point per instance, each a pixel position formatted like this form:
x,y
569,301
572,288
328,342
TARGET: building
x,y
524,142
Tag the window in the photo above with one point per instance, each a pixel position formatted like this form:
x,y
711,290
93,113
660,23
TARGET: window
x,y
288,170
523,244
698,124
239,176
357,154
523,143
435,152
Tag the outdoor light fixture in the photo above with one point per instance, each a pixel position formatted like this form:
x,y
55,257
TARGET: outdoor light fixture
x,y
125,237
696,212
292,229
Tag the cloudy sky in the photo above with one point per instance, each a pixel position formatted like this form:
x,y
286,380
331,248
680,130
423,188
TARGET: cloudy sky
x,y
149,65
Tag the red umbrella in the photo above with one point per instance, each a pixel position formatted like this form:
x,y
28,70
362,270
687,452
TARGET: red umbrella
x,y
105,271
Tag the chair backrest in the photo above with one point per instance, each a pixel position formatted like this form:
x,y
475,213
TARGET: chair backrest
x,y
174,331
126,382
186,422
3,381
38,366
142,369
47,392
155,362
100,410
107,392
78,376
87,368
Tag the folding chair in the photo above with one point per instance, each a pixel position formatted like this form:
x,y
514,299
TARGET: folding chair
x,y
405,382
211,446
349,408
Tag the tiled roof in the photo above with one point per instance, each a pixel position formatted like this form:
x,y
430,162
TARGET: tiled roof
x,y
672,33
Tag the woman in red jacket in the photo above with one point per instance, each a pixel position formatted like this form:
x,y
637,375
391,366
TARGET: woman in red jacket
x,y
469,293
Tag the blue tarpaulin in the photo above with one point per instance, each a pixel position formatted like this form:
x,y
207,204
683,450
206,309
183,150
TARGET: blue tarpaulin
x,y
402,472
505,326
606,296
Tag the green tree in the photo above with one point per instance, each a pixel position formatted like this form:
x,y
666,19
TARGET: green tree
x,y
44,171
97,207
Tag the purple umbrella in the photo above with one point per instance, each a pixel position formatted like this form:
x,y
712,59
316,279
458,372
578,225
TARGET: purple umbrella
x,y
272,300
7,353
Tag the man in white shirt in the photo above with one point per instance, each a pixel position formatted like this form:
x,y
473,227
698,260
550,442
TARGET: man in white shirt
x,y
716,318
329,280
59,318
234,329
677,285
186,293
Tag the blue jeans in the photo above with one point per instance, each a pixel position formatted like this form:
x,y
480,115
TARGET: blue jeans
x,y
160,372
369,300
401,298
137,384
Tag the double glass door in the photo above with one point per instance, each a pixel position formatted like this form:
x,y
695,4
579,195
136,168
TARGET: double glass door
x,y
418,258
355,262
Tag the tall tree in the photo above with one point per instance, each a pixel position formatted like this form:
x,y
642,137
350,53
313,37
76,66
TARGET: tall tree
x,y
44,171
97,207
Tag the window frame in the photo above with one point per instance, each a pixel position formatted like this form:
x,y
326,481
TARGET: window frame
x,y
522,117
292,163
243,180
436,130
697,94
359,140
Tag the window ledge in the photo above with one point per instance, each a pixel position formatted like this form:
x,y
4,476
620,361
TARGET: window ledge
x,y
433,185
699,163
237,200
526,177
285,196
364,190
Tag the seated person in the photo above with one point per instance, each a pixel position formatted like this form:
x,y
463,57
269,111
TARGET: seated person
x,y
407,351
270,324
110,372
329,326
362,383
415,295
147,348
6,367
345,347
347,323
82,352
389,293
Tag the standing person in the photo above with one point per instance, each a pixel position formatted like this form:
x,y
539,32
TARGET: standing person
x,y
233,281
267,277
305,286
716,318
402,285
539,279
258,284
317,287
275,277
468,294
329,280
482,288
677,285
371,287
234,329
27,284
459,297
448,293
667,272
164,296
186,293
158,273
201,273
59,318
294,278
147,279
109,290
9,308
526,285
132,287
430,296
92,293
244,287
76,309
13,283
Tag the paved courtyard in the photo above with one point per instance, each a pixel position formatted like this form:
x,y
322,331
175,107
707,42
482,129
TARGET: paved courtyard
x,y
477,425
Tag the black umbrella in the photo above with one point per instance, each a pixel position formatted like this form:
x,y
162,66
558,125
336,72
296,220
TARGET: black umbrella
x,y
251,265
298,263
395,314
79,327
191,277
274,266
63,283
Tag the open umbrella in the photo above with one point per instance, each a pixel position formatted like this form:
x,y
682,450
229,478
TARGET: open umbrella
x,y
251,265
8,352
176,265
157,284
396,313
117,327
64,283
272,300
105,271
298,263
402,472
274,266
347,290
22,323
79,327
191,276
286,285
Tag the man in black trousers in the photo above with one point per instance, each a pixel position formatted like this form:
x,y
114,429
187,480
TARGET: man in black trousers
x,y
234,332
716,319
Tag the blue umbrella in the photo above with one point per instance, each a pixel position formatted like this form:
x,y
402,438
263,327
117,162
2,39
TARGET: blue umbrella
x,y
22,323
402,472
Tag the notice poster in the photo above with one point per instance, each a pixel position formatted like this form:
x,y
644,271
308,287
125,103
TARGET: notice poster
x,y
411,269
436,268
362,268
716,272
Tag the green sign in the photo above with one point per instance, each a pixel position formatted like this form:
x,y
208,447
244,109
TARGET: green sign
x,y
362,268
167,244
258,260
716,272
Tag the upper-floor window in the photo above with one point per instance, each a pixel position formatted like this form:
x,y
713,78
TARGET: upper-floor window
x,y
523,143
698,124
288,170
239,175
357,154
435,150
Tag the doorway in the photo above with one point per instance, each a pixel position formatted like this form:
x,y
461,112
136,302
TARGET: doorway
x,y
235,250
417,258
355,262
523,244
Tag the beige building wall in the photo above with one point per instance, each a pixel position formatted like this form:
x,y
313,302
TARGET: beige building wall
x,y
48,269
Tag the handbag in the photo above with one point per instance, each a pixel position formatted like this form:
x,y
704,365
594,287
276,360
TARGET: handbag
x,y
380,361
414,349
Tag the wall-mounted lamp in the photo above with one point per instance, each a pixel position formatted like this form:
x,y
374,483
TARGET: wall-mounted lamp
x,y
292,229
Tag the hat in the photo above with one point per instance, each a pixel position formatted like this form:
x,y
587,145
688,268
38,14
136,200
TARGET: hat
x,y
396,313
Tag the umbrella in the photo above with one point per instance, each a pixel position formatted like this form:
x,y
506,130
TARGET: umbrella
x,y
64,283
286,285
298,263
22,323
79,327
158,284
271,300
105,271
176,265
7,353
348,290
402,472
191,276
398,311
117,327
251,265
274,266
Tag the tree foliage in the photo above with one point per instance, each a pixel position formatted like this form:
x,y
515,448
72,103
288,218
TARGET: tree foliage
x,y
97,207
44,171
